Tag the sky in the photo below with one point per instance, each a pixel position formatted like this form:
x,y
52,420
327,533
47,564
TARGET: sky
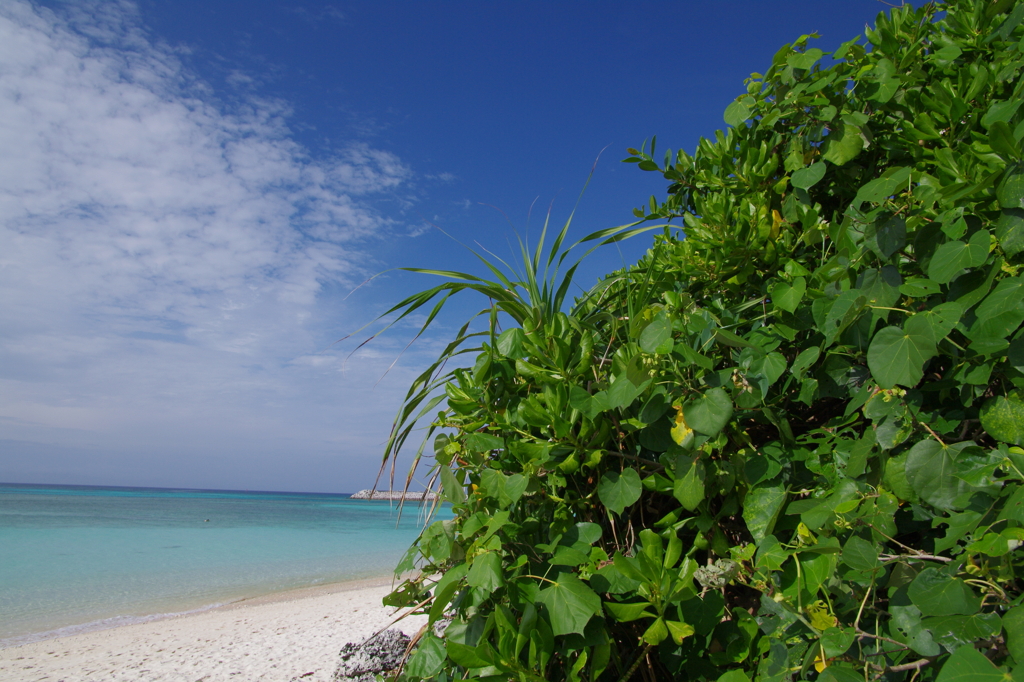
x,y
194,195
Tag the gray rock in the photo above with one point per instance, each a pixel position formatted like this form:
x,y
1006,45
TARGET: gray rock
x,y
362,662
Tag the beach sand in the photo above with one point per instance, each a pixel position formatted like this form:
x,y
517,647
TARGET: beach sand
x,y
278,638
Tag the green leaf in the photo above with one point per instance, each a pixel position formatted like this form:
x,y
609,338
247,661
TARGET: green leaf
x,y
788,296
896,356
630,611
880,189
483,442
808,177
611,580
843,143
860,555
656,633
428,658
570,604
1013,623
992,544
469,656
886,237
939,594
445,589
804,60
568,556
1014,507
940,320
709,413
585,532
678,631
1007,295
837,641
967,664
807,357
1000,138
510,343
657,336
1009,230
844,310
761,508
840,673
618,491
931,473
623,392
918,287
734,676
1001,110
485,572
515,486
1002,418
953,257
738,112
453,490
906,619
957,631
1010,192
946,54
689,487
771,367
818,568
770,554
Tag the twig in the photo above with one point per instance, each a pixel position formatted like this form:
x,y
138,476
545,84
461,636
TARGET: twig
x,y
912,557
636,664
860,611
929,430
916,665
862,633
626,455
404,615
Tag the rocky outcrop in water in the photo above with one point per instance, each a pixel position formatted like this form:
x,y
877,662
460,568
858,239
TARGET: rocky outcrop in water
x,y
376,656
395,495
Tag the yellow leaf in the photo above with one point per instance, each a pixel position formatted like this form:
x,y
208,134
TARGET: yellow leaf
x,y
681,433
804,535
821,618
776,222
820,663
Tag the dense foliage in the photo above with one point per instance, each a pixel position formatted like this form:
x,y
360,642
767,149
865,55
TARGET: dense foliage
x,y
786,446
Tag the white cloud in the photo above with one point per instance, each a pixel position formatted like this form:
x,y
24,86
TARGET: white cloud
x,y
161,254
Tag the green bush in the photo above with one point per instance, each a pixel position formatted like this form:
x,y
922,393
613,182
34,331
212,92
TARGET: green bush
x,y
786,446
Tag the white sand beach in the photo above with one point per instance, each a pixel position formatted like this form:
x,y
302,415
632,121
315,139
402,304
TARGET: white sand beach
x,y
279,638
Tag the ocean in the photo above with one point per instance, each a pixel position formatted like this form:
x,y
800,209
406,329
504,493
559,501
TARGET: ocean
x,y
75,558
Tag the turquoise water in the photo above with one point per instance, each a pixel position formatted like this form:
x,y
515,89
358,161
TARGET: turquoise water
x,y
76,557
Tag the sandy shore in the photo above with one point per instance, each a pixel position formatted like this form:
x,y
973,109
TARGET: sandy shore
x,y
279,638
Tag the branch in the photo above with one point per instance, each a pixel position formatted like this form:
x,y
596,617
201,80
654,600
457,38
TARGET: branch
x,y
862,633
916,665
912,557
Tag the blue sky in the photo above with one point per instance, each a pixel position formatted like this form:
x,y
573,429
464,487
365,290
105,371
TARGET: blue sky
x,y
190,191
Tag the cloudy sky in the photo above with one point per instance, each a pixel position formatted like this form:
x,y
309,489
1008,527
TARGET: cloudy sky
x,y
191,191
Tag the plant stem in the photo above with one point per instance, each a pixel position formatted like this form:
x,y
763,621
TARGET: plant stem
x,y
636,663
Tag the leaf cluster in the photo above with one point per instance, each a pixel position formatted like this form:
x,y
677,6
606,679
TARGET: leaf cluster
x,y
787,443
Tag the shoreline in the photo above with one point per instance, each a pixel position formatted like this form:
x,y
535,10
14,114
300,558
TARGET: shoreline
x,y
277,636
113,622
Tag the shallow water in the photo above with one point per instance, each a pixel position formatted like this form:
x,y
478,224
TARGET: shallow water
x,y
75,557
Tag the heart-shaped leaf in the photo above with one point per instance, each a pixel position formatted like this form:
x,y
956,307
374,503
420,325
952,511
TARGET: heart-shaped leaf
x,y
939,594
897,356
1002,418
953,257
571,604
618,491
808,177
710,413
